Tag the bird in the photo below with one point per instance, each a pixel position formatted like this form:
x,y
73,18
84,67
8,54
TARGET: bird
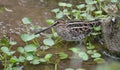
x,y
73,30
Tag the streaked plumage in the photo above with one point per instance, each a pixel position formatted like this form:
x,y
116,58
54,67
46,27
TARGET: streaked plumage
x,y
74,30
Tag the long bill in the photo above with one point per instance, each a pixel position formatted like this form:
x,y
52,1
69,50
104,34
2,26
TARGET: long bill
x,y
46,29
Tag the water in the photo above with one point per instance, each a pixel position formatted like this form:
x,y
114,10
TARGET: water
x,y
38,10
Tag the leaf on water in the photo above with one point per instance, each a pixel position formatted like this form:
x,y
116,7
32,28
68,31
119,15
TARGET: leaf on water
x,y
83,55
27,37
14,59
99,60
100,0
98,12
26,20
44,47
21,59
20,49
30,48
75,50
90,46
29,56
90,8
59,15
5,50
63,55
68,5
69,69
96,55
17,68
64,4
74,10
66,12
50,21
48,56
114,1
90,1
12,43
90,52
35,61
42,60
56,10
48,42
61,4
80,69
80,6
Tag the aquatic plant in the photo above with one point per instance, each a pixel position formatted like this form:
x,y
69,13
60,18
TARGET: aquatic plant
x,y
91,10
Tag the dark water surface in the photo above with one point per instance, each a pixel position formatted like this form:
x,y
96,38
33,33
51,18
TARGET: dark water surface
x,y
11,14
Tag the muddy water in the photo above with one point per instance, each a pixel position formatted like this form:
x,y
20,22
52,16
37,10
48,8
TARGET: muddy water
x,y
15,10
10,21
11,14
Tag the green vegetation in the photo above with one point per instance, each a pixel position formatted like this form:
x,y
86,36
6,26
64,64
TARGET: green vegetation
x,y
93,9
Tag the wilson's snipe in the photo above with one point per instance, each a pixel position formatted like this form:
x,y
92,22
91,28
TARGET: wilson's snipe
x,y
73,30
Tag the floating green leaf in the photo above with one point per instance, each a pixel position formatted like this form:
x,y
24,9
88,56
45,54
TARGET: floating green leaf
x,y
68,5
29,56
61,4
50,21
74,10
47,57
59,15
63,55
96,55
30,48
114,1
98,12
42,60
90,52
17,68
56,10
48,42
69,69
75,50
14,59
64,4
26,20
27,37
83,55
6,50
20,49
80,69
12,43
35,61
80,6
90,46
90,1
21,59
66,12
99,60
